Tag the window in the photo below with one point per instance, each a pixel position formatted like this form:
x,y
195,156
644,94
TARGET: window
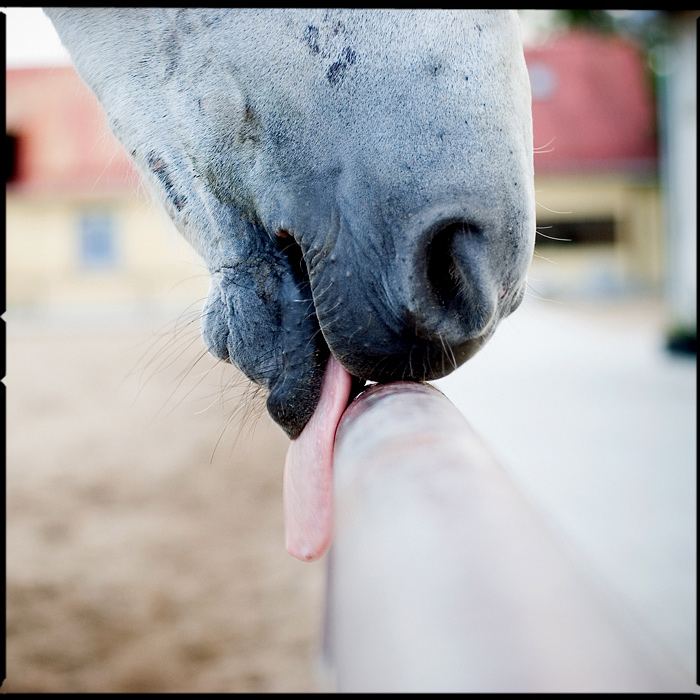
x,y
11,157
98,248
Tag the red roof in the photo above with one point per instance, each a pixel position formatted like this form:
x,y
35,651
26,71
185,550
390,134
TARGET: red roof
x,y
592,109
61,134
593,106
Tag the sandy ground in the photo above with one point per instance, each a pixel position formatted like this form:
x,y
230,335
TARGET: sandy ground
x,y
145,546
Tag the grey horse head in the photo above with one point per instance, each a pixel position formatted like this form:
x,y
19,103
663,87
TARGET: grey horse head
x,y
359,183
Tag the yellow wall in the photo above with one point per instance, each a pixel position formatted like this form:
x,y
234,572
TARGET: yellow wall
x,y
635,260
154,263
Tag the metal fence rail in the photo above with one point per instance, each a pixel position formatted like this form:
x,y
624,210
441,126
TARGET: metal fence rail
x,y
443,578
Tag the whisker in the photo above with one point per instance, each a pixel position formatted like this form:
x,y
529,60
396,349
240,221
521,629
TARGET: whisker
x,y
554,211
546,148
537,295
535,254
551,238
248,407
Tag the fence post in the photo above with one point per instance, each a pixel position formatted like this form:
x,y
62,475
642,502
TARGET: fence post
x,y
442,578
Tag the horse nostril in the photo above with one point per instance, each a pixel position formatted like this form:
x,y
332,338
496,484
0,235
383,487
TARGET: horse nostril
x,y
449,262
451,296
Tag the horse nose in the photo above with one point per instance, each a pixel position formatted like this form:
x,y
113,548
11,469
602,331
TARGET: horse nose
x,y
452,295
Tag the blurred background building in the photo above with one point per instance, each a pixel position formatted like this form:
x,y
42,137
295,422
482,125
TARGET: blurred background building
x,y
615,171
81,229
615,128
598,215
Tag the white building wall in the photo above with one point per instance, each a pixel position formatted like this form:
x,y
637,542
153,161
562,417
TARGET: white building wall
x,y
678,117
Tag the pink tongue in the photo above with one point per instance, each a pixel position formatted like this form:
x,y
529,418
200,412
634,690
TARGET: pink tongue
x,y
308,471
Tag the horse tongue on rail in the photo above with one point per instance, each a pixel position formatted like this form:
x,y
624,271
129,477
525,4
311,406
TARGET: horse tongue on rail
x,y
308,470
